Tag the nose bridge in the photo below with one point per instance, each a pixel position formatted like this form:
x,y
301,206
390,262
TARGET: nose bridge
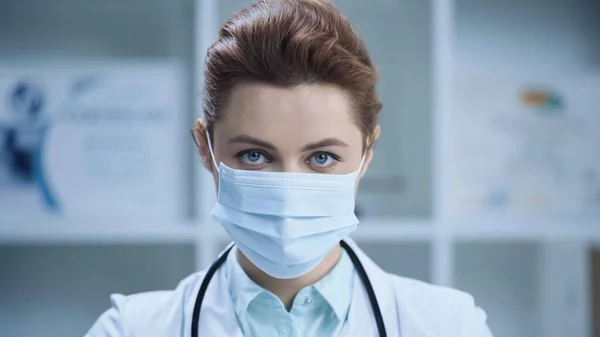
x,y
291,165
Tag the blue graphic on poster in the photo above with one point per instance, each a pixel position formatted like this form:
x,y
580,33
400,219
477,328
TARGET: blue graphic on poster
x,y
97,141
23,135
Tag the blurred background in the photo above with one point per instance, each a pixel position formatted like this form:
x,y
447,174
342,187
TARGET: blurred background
x,y
486,177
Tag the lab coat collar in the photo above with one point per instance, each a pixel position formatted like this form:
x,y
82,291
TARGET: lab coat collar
x,y
218,305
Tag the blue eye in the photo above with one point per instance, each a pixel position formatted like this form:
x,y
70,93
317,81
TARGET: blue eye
x,y
323,159
253,157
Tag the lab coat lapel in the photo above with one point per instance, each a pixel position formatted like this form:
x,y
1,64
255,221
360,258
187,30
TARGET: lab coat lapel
x,y
397,318
217,315
361,319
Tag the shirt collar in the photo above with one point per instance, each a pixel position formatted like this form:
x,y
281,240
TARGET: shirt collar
x,y
243,290
338,297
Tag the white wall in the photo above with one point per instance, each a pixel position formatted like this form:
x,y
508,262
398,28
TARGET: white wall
x,y
511,33
71,28
565,296
503,278
398,36
61,290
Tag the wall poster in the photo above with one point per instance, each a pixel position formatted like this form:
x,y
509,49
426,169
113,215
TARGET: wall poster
x,y
525,146
100,141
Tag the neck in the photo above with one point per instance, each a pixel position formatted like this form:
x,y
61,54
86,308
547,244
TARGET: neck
x,y
287,289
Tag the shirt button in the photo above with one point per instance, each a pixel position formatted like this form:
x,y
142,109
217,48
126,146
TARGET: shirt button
x,y
307,301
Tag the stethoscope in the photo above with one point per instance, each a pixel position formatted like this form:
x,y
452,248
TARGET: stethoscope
x,y
355,261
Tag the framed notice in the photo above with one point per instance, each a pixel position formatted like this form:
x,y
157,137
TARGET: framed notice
x,y
525,146
98,141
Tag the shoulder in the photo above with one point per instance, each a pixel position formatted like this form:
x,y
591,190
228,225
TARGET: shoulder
x,y
439,310
157,313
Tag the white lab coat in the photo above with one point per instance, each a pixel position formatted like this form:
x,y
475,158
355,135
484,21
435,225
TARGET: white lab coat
x,y
410,308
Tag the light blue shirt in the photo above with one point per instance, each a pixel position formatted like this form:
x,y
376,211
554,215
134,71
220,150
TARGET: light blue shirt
x,y
318,310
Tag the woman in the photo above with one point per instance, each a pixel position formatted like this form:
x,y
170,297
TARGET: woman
x,y
290,122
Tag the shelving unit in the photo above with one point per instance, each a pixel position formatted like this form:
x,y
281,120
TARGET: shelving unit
x,y
515,267
530,273
56,273
73,233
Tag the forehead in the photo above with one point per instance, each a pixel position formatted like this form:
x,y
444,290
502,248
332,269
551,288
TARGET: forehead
x,y
297,114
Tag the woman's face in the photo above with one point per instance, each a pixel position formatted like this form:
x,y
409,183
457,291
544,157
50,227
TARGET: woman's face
x,y
308,129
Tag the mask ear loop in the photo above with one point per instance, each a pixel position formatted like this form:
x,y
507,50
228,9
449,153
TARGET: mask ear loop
x,y
362,161
212,154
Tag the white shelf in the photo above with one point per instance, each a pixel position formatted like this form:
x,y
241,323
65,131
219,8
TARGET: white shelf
x,y
586,232
390,230
372,230
383,230
78,233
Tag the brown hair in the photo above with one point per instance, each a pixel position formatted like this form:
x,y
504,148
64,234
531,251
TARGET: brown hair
x,y
288,43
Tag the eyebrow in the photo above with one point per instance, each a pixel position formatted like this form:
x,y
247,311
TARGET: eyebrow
x,y
245,139
324,143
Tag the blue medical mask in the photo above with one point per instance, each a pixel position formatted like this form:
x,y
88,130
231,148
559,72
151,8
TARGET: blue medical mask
x,y
285,223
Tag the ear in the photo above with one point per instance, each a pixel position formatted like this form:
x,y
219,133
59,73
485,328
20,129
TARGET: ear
x,y
370,145
199,135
